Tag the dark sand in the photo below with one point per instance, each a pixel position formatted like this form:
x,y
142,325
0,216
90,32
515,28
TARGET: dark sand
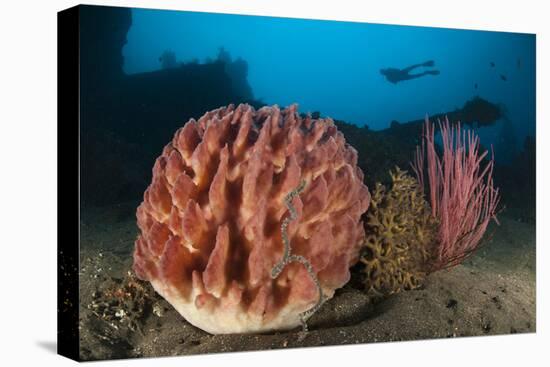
x,y
491,293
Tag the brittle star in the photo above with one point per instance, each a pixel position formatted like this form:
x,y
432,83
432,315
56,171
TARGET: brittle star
x,y
288,257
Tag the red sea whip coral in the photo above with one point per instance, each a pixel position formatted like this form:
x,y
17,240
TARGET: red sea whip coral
x,y
461,192
252,219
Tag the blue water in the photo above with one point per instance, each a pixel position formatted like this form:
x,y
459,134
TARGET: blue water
x,y
333,67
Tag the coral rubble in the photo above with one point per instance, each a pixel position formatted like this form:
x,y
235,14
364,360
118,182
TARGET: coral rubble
x,y
214,219
123,303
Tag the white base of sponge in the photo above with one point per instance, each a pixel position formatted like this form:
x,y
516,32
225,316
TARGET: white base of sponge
x,y
228,320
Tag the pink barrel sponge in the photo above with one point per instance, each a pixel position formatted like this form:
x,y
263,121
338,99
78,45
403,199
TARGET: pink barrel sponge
x,y
251,217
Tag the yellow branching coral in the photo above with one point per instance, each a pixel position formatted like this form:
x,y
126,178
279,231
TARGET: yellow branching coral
x,y
400,233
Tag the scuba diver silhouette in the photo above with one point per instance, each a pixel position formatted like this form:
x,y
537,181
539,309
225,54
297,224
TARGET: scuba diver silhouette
x,y
398,75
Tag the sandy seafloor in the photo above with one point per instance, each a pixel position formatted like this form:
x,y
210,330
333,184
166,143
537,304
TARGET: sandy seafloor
x,y
491,293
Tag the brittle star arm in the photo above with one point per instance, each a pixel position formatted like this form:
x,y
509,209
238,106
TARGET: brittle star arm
x,y
288,258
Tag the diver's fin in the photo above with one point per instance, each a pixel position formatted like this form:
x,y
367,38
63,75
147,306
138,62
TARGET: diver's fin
x,y
433,72
429,63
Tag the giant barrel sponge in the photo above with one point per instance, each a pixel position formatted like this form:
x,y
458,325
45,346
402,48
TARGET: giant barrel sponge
x,y
252,219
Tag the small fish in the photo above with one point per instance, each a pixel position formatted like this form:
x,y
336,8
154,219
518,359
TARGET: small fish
x,y
503,77
492,64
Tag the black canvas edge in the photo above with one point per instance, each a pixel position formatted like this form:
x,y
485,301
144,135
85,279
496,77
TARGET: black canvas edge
x,y
68,182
